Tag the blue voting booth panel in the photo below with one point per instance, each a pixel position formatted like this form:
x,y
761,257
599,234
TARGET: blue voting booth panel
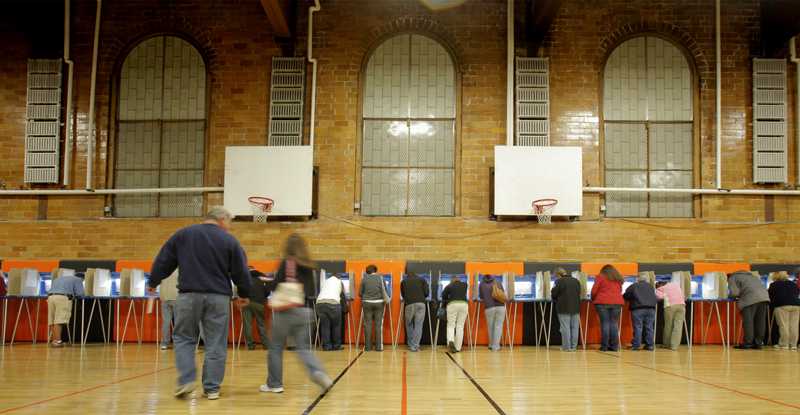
x,y
525,287
589,285
345,279
445,280
387,278
46,281
427,278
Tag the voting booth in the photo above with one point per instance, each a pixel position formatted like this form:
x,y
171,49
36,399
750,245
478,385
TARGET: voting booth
x,y
25,281
683,279
132,282
97,282
715,285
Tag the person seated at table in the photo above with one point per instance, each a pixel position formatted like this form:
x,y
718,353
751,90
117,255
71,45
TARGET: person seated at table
x,y
643,302
753,302
567,295
59,303
783,297
674,313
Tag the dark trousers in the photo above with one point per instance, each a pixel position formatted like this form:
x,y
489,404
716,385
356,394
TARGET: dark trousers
x,y
754,323
609,331
330,325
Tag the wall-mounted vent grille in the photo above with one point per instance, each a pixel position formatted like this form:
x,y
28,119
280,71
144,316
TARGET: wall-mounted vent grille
x,y
769,121
43,128
286,102
533,101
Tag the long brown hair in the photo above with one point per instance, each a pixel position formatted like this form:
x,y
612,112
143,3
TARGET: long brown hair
x,y
612,274
296,249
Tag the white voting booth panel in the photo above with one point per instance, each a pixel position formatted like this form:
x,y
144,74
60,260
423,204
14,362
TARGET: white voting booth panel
x,y
24,281
281,173
683,279
524,174
97,282
715,285
131,282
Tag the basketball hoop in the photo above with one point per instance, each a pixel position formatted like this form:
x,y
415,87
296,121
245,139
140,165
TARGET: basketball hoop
x,y
543,209
261,208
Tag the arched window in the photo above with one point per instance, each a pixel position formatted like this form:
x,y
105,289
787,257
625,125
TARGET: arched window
x,y
648,121
161,124
409,129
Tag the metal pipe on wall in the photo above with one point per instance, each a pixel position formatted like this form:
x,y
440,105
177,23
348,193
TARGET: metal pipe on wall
x,y
692,191
719,99
110,191
68,120
90,143
510,76
313,61
797,105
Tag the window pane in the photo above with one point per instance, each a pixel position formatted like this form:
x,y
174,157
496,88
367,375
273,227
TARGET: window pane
x,y
671,205
671,146
432,144
384,192
385,143
626,204
431,192
138,147
626,146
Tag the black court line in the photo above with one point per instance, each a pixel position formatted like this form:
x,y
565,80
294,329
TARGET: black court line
x,y
471,379
617,355
319,398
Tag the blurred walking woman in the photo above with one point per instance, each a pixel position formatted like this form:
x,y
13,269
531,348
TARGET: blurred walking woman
x,y
607,298
455,296
296,322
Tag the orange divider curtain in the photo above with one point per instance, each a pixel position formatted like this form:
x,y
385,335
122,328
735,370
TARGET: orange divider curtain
x,y
495,268
396,268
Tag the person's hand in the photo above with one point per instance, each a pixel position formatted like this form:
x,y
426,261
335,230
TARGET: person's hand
x,y
266,278
151,291
242,302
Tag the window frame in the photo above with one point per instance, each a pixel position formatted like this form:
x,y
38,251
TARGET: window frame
x,y
457,120
113,132
696,112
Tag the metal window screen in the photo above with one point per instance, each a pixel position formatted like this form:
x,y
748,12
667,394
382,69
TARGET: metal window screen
x,y
161,129
408,148
648,138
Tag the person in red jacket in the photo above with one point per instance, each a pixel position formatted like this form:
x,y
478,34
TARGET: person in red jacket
x,y
607,298
3,287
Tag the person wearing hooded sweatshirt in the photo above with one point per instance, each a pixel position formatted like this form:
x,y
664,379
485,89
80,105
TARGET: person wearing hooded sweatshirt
x,y
495,311
567,294
753,302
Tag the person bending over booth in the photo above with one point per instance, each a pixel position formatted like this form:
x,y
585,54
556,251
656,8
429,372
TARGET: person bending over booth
x,y
567,294
494,310
59,303
643,303
455,298
331,302
373,307
674,313
753,302
414,290
608,302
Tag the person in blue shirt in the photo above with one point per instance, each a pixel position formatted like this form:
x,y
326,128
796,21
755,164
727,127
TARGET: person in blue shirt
x,y
59,303
209,257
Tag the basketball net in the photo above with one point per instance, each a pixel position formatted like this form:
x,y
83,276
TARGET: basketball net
x,y
261,207
543,209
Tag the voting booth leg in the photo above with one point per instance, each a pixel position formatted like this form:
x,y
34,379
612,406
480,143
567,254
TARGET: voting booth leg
x,y
436,338
5,317
469,334
399,321
586,330
391,326
430,325
358,329
30,322
350,322
477,317
38,302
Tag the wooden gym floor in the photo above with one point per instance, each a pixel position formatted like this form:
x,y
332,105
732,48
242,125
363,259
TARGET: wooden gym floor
x,y
136,379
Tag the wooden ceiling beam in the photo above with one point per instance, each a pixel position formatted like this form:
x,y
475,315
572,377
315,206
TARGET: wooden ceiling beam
x,y
278,13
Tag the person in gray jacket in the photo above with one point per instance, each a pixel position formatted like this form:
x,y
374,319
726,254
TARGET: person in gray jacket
x,y
567,294
753,302
372,307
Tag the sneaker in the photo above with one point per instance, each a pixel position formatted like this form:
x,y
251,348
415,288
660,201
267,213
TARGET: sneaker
x,y
57,345
633,348
265,388
164,347
663,346
211,395
785,348
776,346
564,350
794,348
324,382
184,390
452,347
251,347
649,348
743,347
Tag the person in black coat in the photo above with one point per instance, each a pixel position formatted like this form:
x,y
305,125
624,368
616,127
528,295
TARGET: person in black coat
x,y
643,301
567,295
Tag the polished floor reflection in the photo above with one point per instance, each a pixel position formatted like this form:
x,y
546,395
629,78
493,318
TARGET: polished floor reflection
x,y
137,379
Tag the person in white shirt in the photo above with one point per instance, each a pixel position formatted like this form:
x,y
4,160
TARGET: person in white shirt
x,y
331,302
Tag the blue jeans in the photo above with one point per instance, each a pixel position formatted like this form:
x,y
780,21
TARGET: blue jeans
x,y
168,311
213,311
330,325
495,316
296,323
642,320
570,330
415,317
609,331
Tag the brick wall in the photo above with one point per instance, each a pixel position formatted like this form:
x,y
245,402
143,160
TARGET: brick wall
x,y
237,39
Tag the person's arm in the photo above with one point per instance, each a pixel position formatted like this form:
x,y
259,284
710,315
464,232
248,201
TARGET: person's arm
x,y
598,281
361,287
165,263
426,288
78,287
403,288
446,294
556,290
660,292
628,294
733,286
